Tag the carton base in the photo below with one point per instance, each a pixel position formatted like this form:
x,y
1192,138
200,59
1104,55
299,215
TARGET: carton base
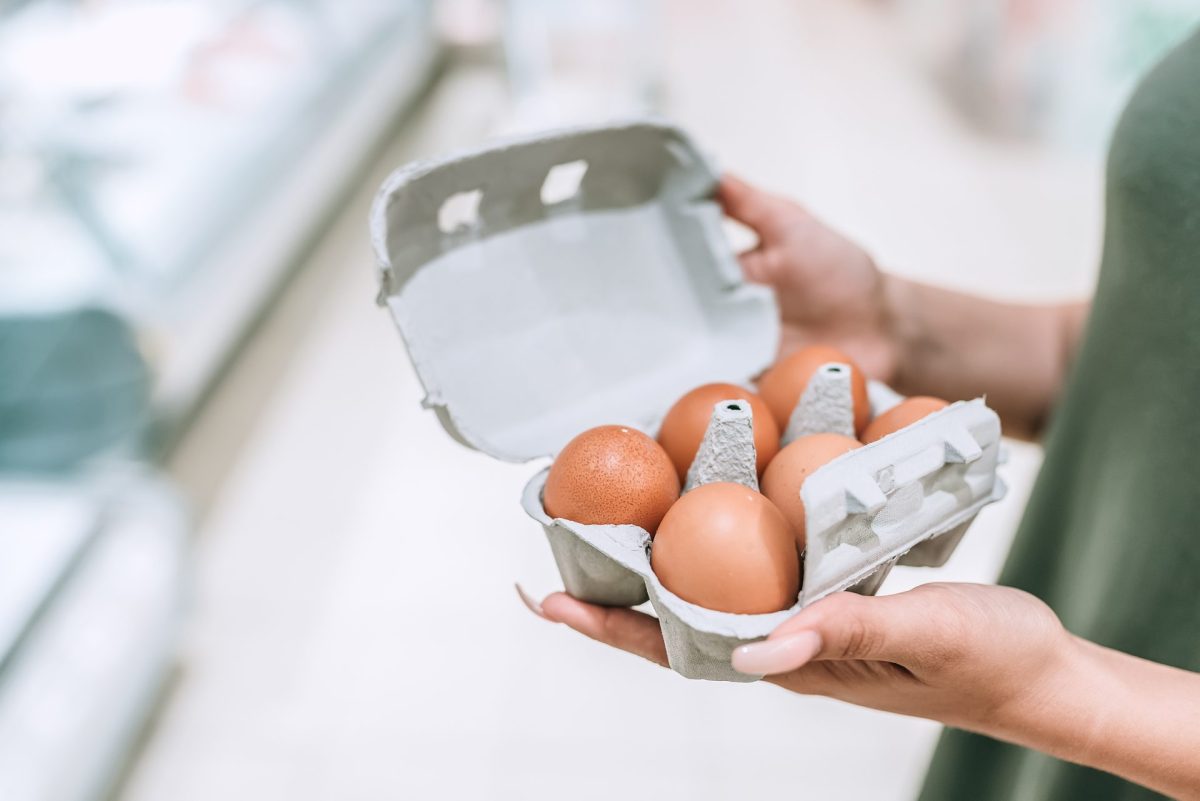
x,y
590,575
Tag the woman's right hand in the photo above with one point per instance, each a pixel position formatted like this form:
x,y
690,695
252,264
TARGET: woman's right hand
x,y
829,289
993,660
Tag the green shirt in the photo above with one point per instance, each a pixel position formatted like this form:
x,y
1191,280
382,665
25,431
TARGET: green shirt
x,y
1111,536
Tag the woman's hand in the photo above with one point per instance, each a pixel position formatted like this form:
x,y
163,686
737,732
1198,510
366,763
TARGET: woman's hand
x,y
828,288
988,659
919,339
962,654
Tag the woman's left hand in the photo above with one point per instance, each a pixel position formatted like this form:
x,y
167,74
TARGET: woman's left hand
x,y
967,655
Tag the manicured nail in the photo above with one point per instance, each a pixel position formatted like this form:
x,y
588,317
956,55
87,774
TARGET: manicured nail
x,y
530,604
768,657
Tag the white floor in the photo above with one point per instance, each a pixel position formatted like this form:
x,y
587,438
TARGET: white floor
x,y
355,634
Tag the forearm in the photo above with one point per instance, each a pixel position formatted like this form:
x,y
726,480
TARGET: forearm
x,y
952,345
1115,712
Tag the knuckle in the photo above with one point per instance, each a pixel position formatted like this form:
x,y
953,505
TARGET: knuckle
x,y
861,640
955,626
855,637
951,648
771,261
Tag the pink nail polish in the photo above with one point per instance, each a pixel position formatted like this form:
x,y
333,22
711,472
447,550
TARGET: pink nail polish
x,y
530,604
768,657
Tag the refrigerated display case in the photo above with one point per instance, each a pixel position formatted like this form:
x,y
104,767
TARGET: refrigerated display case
x,y
163,166
92,585
173,158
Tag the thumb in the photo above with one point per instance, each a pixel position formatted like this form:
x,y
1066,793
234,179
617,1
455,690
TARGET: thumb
x,y
767,214
843,626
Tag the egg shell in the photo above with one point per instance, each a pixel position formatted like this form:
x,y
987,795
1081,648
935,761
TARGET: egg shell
x,y
786,473
904,413
612,475
725,547
782,385
683,428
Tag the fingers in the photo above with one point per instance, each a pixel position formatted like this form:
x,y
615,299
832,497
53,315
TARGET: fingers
x,y
530,604
767,214
843,626
811,679
903,629
621,628
778,655
755,266
841,679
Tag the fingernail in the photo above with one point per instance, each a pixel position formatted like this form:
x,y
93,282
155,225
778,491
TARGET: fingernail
x,y
530,604
768,657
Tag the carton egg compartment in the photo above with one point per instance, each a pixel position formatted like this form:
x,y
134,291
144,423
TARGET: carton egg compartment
x,y
906,499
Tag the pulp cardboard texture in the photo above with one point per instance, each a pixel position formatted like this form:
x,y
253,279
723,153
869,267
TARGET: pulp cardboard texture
x,y
532,322
533,312
727,451
826,405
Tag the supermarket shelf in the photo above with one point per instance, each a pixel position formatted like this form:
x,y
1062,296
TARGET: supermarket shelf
x,y
192,336
47,530
89,628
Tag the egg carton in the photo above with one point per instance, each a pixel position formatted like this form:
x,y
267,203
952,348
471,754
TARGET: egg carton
x,y
553,283
906,499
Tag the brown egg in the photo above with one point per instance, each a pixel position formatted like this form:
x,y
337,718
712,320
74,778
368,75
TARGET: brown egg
x,y
782,385
787,471
905,413
684,426
724,546
611,474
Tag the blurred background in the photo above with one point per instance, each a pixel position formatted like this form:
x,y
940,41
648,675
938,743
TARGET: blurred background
x,y
237,560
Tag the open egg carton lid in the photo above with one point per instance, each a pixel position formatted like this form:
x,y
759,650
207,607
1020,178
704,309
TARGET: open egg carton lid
x,y
553,283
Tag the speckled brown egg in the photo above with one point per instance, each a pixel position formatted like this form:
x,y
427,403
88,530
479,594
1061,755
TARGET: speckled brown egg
x,y
611,474
787,472
724,546
782,385
683,428
904,413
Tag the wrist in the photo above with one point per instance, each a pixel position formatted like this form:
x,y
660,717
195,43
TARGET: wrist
x,y
1063,708
1114,712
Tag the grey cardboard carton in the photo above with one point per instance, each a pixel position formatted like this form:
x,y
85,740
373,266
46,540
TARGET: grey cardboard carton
x,y
532,313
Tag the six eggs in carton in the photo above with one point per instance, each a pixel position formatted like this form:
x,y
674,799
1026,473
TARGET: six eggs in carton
x,y
719,491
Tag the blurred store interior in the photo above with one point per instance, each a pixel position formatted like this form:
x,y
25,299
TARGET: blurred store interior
x,y
237,558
